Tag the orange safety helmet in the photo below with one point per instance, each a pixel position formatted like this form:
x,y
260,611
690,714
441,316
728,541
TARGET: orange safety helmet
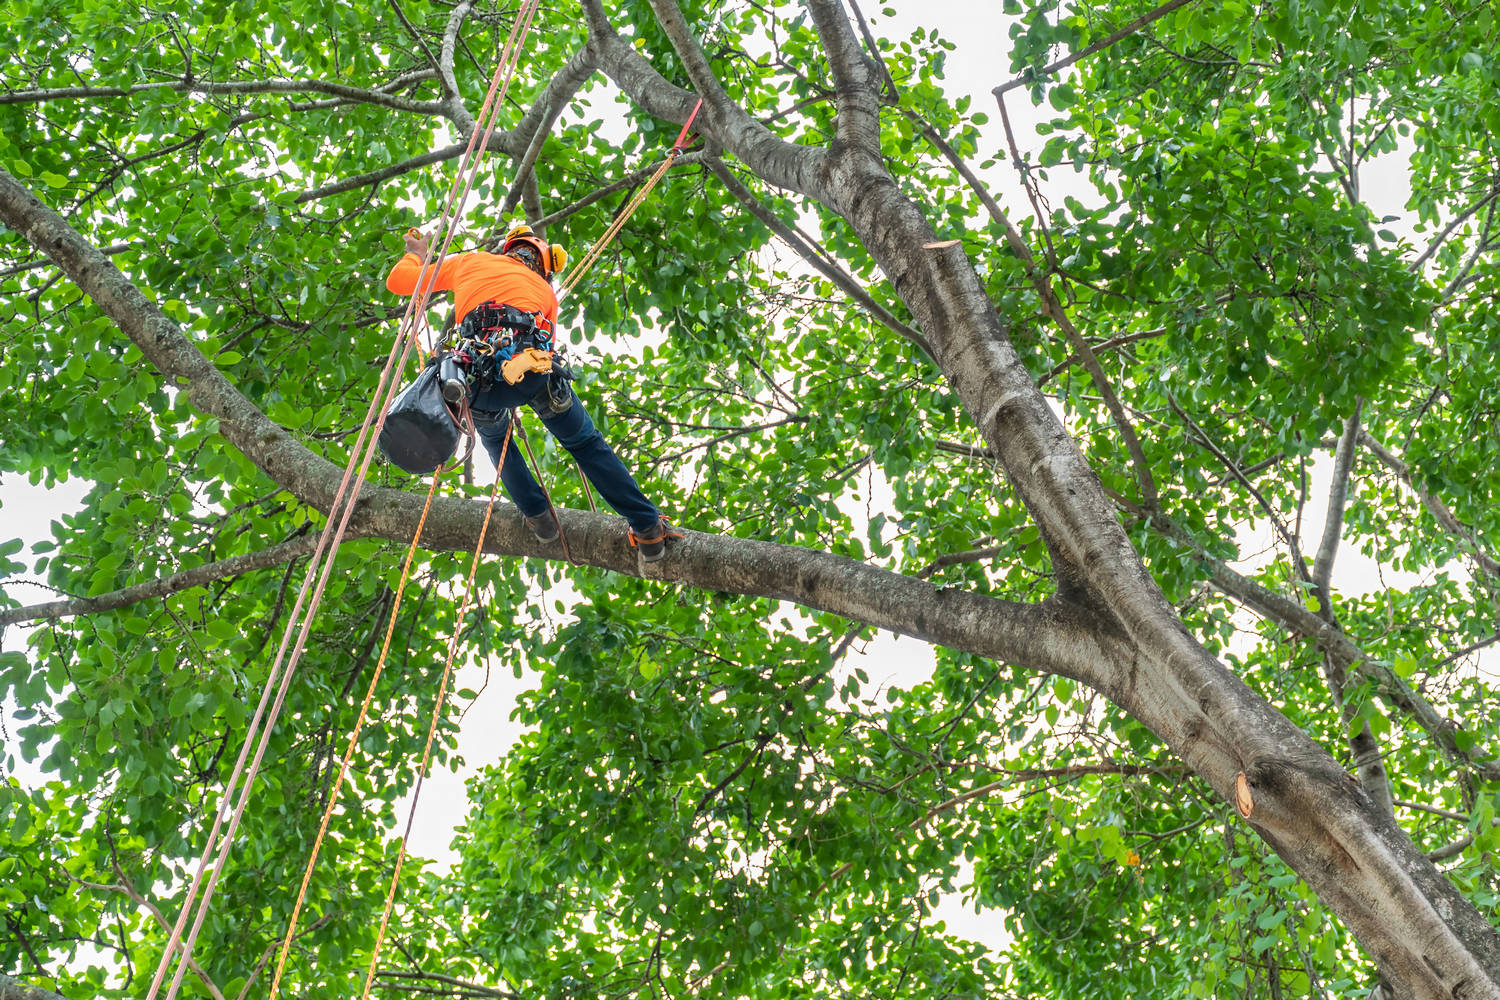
x,y
549,258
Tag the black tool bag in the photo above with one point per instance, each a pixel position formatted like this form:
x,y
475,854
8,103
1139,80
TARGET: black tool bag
x,y
420,433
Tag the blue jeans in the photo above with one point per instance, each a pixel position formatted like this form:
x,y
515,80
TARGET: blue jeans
x,y
577,433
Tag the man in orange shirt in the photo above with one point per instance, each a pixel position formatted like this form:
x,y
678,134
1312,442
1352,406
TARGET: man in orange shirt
x,y
506,311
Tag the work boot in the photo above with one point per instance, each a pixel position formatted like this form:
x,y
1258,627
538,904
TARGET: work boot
x,y
543,527
652,542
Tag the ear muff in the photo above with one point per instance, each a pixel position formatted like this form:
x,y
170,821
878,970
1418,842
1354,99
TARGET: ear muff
x,y
559,257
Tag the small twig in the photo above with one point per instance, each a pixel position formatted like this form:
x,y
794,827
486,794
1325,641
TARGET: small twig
x,y
1299,564
421,44
108,251
956,558
1098,46
125,888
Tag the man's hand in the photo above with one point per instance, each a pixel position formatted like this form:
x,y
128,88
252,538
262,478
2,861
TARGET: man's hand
x,y
416,243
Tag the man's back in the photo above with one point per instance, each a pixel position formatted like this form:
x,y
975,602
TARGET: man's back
x,y
478,277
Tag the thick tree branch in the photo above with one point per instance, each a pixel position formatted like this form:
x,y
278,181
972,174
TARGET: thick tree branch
x,y
537,123
781,163
1050,637
198,576
454,101
855,92
1333,523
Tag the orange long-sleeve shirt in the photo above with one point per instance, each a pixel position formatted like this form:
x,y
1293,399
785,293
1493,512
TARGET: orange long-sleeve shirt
x,y
479,277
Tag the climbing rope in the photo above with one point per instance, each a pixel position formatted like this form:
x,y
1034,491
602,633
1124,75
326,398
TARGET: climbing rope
x,y
340,510
437,711
640,196
364,709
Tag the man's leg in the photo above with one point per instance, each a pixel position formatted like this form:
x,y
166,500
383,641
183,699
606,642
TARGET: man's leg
x,y
577,433
518,481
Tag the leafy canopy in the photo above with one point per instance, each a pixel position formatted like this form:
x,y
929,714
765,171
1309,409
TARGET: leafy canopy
x,y
706,793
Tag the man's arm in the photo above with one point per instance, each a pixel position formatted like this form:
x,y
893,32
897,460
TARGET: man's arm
x,y
404,277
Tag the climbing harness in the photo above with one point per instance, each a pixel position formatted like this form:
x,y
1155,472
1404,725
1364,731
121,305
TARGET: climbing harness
x,y
501,339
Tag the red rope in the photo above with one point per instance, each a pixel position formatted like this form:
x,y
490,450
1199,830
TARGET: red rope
x,y
682,136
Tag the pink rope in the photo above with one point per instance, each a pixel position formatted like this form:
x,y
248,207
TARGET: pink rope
x,y
321,566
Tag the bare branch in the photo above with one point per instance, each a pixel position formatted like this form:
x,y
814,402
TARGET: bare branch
x,y
274,555
1099,348
958,558
966,450
1299,564
1333,524
1054,307
384,173
891,94
824,265
628,181
1009,781
339,90
450,87
1098,46
149,907
1458,220
1332,640
450,42
538,121
1440,511
472,988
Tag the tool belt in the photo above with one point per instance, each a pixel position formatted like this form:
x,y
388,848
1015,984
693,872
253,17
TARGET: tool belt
x,y
499,339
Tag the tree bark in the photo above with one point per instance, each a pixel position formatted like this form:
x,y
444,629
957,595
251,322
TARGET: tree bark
x,y
14,989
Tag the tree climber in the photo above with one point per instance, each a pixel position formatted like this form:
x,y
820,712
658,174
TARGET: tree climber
x,y
506,311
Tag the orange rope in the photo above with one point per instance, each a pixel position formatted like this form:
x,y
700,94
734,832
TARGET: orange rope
x,y
635,202
609,234
338,784
437,711
507,66
364,708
